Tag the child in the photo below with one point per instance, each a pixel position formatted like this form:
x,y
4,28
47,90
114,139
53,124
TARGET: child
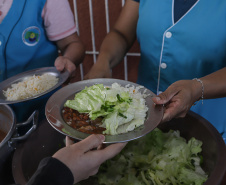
x,y
31,33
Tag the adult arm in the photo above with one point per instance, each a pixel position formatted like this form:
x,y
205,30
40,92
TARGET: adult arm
x,y
75,162
73,52
181,95
117,42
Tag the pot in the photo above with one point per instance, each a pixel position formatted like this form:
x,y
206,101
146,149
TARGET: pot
x,y
25,162
7,126
45,141
9,138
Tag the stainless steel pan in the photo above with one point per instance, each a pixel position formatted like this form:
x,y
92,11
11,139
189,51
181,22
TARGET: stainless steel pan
x,y
9,126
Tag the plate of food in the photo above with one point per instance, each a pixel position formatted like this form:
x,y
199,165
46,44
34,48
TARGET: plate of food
x,y
119,109
31,84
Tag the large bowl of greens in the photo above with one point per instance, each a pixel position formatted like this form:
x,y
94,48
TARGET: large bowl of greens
x,y
183,151
142,160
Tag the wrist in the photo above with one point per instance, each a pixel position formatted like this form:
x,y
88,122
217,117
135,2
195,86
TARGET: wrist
x,y
198,89
103,63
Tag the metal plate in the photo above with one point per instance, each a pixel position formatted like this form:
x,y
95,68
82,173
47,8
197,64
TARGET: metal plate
x,y
63,76
56,102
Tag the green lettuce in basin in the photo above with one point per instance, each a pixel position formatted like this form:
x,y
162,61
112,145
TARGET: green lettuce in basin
x,y
156,159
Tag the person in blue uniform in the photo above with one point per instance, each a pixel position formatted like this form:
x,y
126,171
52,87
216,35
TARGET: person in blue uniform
x,y
30,38
178,40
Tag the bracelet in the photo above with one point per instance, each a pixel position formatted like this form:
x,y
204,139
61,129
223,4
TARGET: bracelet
x,y
200,81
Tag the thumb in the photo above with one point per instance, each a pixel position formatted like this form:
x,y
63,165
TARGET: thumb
x,y
69,141
59,64
109,152
91,142
114,149
164,97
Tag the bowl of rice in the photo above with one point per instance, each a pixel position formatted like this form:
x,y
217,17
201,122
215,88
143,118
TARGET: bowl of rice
x,y
31,84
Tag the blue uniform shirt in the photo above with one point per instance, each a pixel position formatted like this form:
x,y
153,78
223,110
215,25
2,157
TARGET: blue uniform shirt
x,y
24,46
192,47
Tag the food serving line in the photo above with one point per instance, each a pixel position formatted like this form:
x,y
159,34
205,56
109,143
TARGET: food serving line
x,y
45,137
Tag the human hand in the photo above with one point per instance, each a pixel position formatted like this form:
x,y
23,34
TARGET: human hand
x,y
62,63
178,98
85,157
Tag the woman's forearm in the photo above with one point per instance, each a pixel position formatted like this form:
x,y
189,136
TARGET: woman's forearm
x,y
72,48
117,42
215,84
122,36
113,49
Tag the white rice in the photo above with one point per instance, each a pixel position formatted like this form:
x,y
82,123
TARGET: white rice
x,y
30,86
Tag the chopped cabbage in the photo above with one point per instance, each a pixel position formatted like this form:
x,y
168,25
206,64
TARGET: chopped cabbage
x,y
155,159
123,108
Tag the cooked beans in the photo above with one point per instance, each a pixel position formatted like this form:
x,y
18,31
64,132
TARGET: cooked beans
x,y
82,122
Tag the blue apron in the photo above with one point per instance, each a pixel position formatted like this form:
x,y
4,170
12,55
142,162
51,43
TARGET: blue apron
x,y
192,47
25,46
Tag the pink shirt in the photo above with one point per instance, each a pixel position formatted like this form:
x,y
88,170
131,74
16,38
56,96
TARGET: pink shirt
x,y
57,15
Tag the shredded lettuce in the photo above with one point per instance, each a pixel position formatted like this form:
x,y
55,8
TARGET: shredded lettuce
x,y
123,108
156,159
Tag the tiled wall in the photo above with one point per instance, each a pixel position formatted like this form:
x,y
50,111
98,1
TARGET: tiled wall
x,y
94,19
